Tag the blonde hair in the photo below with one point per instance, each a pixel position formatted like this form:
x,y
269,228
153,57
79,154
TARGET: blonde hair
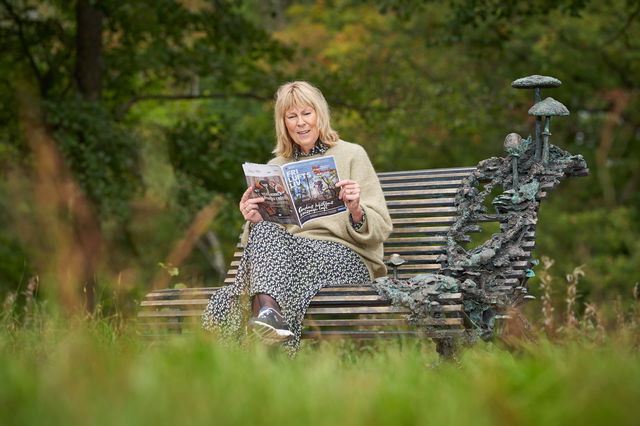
x,y
297,94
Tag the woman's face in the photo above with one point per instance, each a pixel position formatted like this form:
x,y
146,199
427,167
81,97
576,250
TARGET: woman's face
x,y
302,125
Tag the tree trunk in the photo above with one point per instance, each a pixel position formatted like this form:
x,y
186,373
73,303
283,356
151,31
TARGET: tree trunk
x,y
88,79
88,73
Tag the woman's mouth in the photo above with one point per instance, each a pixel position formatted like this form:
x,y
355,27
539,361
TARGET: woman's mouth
x,y
304,132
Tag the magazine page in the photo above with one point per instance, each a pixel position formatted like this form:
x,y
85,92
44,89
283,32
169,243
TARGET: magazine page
x,y
267,181
312,184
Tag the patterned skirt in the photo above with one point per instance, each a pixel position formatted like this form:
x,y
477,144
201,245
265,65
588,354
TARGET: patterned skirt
x,y
288,268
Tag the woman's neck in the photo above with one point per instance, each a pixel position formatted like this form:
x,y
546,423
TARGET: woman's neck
x,y
306,149
317,149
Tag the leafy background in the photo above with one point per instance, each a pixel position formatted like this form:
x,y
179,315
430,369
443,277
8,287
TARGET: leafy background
x,y
152,121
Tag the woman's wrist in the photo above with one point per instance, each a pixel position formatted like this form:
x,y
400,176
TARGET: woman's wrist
x,y
357,215
357,223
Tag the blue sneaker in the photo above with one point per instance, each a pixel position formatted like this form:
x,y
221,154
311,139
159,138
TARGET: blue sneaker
x,y
270,326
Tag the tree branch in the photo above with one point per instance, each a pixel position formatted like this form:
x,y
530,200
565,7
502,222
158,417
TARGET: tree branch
x,y
24,45
631,17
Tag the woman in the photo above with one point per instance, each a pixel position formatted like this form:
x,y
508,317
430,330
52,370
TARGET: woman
x,y
283,267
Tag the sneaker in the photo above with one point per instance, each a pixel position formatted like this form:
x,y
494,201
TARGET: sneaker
x,y
270,326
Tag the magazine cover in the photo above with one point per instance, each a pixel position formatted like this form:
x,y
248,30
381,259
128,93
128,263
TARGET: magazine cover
x,y
296,192
312,184
267,182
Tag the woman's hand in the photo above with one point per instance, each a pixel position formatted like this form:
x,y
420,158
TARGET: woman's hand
x,y
350,194
249,206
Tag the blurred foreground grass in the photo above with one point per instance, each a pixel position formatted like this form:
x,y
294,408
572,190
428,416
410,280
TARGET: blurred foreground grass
x,y
92,374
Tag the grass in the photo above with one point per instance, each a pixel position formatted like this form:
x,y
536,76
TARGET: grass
x,y
90,374
93,371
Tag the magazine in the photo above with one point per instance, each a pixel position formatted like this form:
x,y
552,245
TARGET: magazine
x,y
297,192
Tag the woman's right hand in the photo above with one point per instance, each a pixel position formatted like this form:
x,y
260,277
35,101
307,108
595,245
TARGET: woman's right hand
x,y
249,206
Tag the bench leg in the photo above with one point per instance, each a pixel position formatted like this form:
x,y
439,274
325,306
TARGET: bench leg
x,y
447,348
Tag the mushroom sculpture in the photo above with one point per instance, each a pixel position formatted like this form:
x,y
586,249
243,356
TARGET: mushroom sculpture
x,y
395,261
547,108
516,146
537,82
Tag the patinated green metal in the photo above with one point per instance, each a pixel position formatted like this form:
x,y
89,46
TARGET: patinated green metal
x,y
394,262
537,82
516,146
547,108
481,273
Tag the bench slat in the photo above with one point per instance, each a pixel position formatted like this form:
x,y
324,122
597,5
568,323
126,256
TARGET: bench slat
x,y
422,230
451,183
440,220
437,170
413,240
412,250
439,240
326,293
517,271
351,310
420,203
199,293
373,334
410,193
377,322
376,310
422,211
320,323
321,299
426,173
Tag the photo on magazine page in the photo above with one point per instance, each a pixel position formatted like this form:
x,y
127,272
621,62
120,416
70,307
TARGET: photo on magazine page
x,y
278,206
312,184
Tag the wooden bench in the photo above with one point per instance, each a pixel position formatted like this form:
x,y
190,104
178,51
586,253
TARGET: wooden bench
x,y
433,213
422,207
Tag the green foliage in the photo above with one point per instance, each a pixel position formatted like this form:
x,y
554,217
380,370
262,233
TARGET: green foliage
x,y
207,151
14,268
101,153
608,238
160,44
477,12
151,50
187,90
99,367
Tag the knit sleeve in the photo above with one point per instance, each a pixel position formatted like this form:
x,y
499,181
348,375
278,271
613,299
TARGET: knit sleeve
x,y
377,226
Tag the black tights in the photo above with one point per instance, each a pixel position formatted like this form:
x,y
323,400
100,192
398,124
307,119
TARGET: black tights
x,y
261,300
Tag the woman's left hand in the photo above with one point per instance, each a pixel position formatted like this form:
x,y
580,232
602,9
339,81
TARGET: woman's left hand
x,y
350,194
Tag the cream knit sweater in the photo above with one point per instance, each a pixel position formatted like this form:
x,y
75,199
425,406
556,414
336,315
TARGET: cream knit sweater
x,y
353,163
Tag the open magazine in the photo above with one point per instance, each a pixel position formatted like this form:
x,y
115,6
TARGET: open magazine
x,y
296,192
